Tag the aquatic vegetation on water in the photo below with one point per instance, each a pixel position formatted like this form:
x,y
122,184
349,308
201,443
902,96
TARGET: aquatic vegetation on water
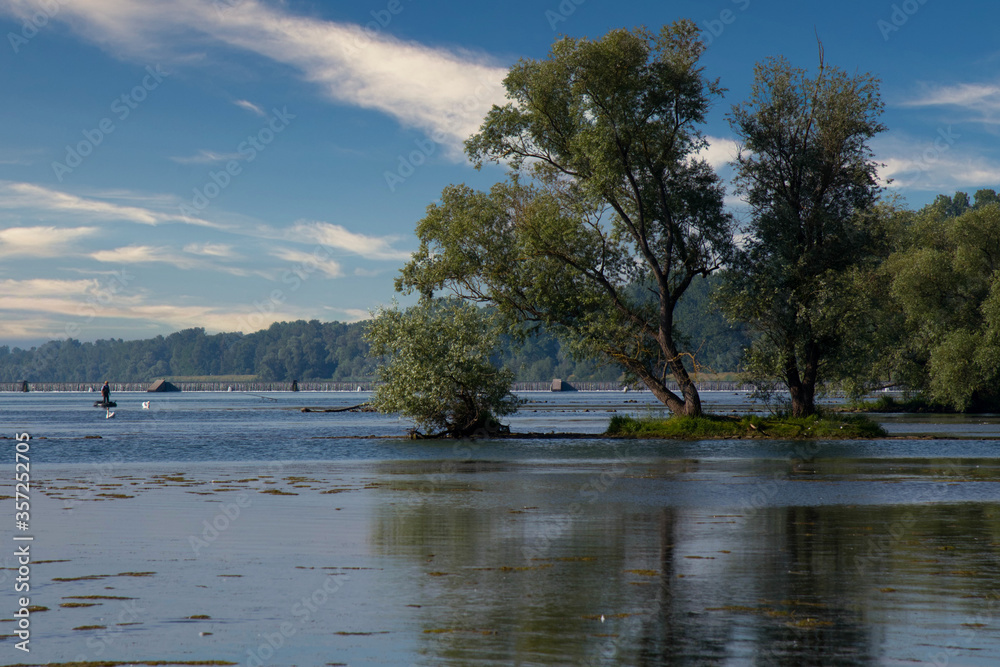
x,y
750,426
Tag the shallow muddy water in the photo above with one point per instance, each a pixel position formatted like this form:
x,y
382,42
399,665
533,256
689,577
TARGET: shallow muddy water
x,y
305,548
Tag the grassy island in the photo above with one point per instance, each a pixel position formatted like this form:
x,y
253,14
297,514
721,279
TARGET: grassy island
x,y
750,426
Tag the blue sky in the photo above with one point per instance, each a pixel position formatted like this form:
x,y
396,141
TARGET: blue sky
x,y
230,163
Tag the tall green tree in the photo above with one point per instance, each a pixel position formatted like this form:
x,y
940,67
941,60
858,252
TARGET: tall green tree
x,y
807,172
437,367
609,215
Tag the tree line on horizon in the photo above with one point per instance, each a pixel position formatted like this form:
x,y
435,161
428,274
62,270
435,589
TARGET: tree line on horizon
x,y
313,350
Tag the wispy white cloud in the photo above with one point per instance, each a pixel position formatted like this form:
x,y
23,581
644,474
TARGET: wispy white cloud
x,y
207,157
942,161
250,106
42,241
945,173
246,320
48,317
211,250
146,254
40,287
309,262
142,254
443,92
966,102
353,314
971,95
336,236
40,200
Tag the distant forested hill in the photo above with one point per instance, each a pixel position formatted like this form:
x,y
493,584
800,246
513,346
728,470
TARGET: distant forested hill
x,y
326,351
285,351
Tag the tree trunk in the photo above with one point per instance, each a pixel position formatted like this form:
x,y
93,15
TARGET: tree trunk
x,y
689,403
801,389
692,400
803,400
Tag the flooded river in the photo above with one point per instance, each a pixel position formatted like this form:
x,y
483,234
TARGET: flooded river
x,y
240,529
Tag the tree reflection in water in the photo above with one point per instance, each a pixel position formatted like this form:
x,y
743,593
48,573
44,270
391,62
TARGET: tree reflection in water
x,y
509,567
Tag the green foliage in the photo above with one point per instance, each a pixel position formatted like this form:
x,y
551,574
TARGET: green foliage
x,y
706,427
436,367
716,344
610,216
947,284
807,172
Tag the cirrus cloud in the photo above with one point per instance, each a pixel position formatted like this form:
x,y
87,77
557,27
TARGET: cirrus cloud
x,y
443,92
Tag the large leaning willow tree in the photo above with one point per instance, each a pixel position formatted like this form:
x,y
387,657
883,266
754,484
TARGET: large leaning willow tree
x,y
807,172
608,215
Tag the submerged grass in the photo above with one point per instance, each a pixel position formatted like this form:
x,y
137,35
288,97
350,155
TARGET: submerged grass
x,y
782,427
893,404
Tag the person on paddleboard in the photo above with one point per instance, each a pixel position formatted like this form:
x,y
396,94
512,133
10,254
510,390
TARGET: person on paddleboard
x,y
106,392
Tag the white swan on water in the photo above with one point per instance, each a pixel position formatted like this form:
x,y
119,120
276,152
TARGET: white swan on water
x,y
110,414
145,405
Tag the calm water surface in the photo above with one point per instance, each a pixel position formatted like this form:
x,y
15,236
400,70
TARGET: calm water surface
x,y
306,543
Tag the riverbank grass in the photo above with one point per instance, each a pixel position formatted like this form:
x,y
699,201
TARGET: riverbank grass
x,y
893,404
780,427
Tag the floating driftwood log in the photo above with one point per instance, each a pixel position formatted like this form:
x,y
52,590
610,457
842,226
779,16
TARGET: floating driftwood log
x,y
361,407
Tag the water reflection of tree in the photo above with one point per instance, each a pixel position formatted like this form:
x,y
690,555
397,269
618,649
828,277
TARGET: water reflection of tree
x,y
482,598
676,586
770,604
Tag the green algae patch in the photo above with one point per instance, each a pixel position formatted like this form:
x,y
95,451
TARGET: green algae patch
x,y
709,427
